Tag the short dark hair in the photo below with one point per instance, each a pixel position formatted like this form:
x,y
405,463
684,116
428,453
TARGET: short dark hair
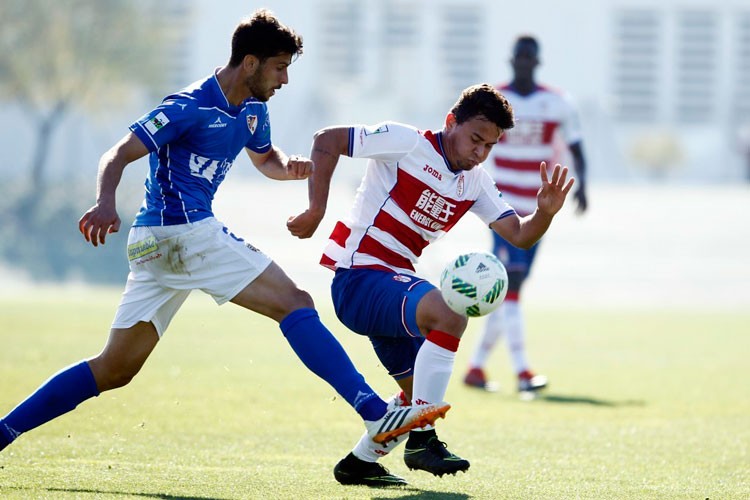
x,y
526,40
263,36
484,100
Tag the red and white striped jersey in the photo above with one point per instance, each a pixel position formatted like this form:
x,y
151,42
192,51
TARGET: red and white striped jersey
x,y
514,161
408,198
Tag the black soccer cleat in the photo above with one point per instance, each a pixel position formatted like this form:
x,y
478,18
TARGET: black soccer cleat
x,y
434,458
352,470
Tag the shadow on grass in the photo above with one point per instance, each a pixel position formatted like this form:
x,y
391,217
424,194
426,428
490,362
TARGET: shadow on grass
x,y
559,398
127,493
426,495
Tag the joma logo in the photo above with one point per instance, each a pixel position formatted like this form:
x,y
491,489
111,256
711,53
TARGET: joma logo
x,y
432,172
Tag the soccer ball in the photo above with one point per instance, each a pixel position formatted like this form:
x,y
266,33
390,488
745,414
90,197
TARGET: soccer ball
x,y
474,284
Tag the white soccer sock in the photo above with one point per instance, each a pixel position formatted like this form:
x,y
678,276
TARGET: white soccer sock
x,y
433,368
514,328
370,451
493,328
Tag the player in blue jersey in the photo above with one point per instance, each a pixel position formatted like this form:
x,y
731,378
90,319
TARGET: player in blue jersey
x,y
176,245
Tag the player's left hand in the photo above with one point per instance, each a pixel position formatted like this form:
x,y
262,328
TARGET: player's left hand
x,y
304,225
299,167
552,194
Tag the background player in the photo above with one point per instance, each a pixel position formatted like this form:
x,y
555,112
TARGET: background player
x,y
417,186
176,245
542,116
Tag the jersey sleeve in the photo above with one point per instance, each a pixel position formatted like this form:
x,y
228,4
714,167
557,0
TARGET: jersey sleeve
x,y
386,141
170,120
490,204
259,124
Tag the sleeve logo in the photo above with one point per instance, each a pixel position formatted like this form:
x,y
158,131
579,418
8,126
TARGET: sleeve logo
x,y
157,123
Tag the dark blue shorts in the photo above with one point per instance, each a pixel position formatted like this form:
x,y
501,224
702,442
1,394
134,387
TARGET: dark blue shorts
x,y
513,258
382,306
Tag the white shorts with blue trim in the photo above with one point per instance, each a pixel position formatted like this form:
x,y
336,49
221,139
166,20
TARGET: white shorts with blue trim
x,y
168,262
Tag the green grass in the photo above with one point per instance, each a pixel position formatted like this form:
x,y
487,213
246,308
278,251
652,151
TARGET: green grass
x,y
641,405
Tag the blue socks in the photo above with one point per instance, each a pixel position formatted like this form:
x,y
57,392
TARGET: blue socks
x,y
61,393
316,347
322,354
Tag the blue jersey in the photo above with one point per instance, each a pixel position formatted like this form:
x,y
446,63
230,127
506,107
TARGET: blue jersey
x,y
194,137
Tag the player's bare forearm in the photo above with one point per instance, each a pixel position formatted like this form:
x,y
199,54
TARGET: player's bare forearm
x,y
102,218
524,232
275,164
328,145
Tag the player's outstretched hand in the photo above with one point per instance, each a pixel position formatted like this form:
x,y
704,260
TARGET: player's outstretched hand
x,y
299,167
551,195
97,223
304,225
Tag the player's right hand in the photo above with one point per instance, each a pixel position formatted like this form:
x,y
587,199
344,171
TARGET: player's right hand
x,y
97,222
304,225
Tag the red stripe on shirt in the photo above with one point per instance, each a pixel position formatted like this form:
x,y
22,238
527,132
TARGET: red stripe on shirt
x,y
371,246
328,262
404,234
548,132
524,165
425,207
340,233
527,192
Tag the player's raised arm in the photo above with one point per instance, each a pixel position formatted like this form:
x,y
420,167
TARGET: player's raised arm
x,y
328,145
102,218
523,232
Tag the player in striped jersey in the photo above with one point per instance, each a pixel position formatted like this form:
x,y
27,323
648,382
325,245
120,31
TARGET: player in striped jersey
x,y
416,187
176,245
544,119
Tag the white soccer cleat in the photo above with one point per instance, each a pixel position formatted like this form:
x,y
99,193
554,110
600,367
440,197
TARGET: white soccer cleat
x,y
401,419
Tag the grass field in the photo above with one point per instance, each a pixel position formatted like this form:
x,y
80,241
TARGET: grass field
x,y
641,405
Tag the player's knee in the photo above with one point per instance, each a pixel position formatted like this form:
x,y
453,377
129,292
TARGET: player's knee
x,y
298,299
110,376
450,322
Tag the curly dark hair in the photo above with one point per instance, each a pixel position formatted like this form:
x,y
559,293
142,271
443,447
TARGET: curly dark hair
x,y
262,35
484,100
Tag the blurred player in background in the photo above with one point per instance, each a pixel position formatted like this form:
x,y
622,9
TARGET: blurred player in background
x,y
176,245
542,116
417,186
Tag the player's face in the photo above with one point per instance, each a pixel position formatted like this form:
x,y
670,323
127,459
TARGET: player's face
x,y
269,77
525,59
468,144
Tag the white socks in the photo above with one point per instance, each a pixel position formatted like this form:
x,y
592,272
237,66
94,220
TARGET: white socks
x,y
433,368
507,320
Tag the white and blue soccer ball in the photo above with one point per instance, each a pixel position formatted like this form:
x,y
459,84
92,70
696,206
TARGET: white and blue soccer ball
x,y
474,284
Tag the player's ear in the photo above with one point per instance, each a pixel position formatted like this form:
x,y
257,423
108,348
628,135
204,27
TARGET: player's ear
x,y
250,63
450,121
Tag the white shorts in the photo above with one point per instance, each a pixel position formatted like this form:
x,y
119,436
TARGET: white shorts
x,y
168,262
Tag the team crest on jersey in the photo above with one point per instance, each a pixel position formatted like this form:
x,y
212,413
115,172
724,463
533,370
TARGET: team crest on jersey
x,y
402,278
252,123
460,186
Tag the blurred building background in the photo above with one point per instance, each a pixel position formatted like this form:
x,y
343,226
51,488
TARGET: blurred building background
x,y
663,90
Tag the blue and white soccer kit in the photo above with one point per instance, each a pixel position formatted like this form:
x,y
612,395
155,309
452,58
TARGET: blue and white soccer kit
x,y
193,137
